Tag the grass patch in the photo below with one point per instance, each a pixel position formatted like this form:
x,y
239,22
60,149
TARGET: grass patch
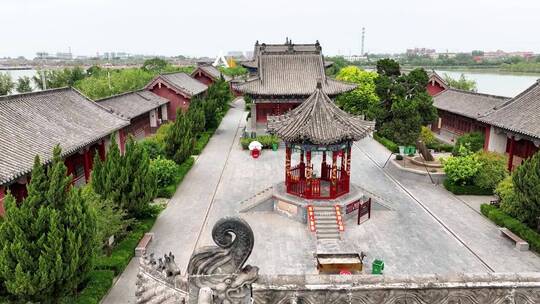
x,y
439,146
183,169
99,283
390,145
466,190
504,220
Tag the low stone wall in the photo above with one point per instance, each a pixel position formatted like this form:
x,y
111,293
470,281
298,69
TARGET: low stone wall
x,y
368,289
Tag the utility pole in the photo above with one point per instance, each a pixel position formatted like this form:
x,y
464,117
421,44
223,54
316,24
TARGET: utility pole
x,y
363,36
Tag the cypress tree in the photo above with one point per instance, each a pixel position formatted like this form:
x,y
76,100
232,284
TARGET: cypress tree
x,y
526,180
97,178
196,115
108,177
141,186
179,141
47,243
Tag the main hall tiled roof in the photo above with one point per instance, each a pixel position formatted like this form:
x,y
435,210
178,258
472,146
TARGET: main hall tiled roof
x,y
33,123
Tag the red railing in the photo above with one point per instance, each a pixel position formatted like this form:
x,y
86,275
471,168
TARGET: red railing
x,y
297,184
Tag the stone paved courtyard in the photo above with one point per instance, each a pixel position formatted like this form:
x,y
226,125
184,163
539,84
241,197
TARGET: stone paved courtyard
x,y
425,230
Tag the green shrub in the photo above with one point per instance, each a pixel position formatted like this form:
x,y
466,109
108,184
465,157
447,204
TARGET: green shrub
x,y
390,145
439,146
169,190
472,141
153,147
505,191
99,283
201,142
526,180
465,189
492,169
266,140
164,171
125,249
461,170
426,136
502,219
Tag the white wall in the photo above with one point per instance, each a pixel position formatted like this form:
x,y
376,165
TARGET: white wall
x,y
497,140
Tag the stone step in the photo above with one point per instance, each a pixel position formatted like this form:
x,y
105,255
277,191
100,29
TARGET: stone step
x,y
328,237
326,226
325,219
324,208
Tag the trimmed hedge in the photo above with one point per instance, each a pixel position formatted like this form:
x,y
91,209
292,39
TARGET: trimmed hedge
x,y
99,283
390,145
183,169
465,190
265,140
125,249
201,142
440,147
504,220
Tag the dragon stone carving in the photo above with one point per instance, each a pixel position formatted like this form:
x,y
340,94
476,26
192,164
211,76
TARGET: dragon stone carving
x,y
221,268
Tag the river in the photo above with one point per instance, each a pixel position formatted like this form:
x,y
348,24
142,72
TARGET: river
x,y
504,84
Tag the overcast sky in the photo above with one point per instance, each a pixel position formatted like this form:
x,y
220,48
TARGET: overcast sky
x,y
204,27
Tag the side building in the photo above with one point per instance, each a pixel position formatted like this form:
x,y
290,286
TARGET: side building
x,y
285,75
208,74
145,111
34,123
515,126
178,88
459,112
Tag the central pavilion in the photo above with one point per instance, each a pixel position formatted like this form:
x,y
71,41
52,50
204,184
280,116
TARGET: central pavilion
x,y
318,126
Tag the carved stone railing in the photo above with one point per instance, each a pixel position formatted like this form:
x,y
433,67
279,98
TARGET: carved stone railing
x,y
217,275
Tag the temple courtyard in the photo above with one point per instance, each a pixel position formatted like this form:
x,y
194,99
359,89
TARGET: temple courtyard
x,y
418,227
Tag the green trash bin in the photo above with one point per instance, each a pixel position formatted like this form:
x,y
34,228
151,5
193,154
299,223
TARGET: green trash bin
x,y
377,267
411,150
274,147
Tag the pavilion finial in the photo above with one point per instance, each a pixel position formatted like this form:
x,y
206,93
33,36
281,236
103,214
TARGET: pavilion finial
x,y
319,83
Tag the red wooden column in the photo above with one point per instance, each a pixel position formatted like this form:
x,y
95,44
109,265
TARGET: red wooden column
x,y
287,164
101,150
302,165
487,131
2,196
333,178
87,164
511,153
308,173
323,166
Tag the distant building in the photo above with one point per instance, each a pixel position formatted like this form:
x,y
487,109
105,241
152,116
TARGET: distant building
x,y
178,88
64,56
208,74
421,52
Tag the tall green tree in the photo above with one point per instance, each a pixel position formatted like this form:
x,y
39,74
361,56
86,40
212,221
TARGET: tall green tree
x,y
179,141
141,186
363,99
156,65
462,83
24,84
6,84
110,178
388,67
526,180
47,244
197,117
66,77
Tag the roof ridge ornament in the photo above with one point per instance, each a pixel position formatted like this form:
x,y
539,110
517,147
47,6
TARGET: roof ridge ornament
x,y
319,84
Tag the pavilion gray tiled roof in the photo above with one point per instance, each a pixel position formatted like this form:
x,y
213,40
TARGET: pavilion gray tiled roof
x,y
319,121
182,82
292,74
521,114
133,104
468,104
33,123
213,71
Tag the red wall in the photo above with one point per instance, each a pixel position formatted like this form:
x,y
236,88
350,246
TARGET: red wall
x,y
204,79
265,109
434,89
176,100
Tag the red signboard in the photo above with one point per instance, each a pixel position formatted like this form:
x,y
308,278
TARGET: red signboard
x,y
365,209
352,206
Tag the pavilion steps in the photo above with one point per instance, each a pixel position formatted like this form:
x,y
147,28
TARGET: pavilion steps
x,y
256,199
326,223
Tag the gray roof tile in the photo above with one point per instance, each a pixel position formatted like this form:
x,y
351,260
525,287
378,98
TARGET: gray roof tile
x,y
521,114
133,104
466,103
182,82
319,121
33,123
